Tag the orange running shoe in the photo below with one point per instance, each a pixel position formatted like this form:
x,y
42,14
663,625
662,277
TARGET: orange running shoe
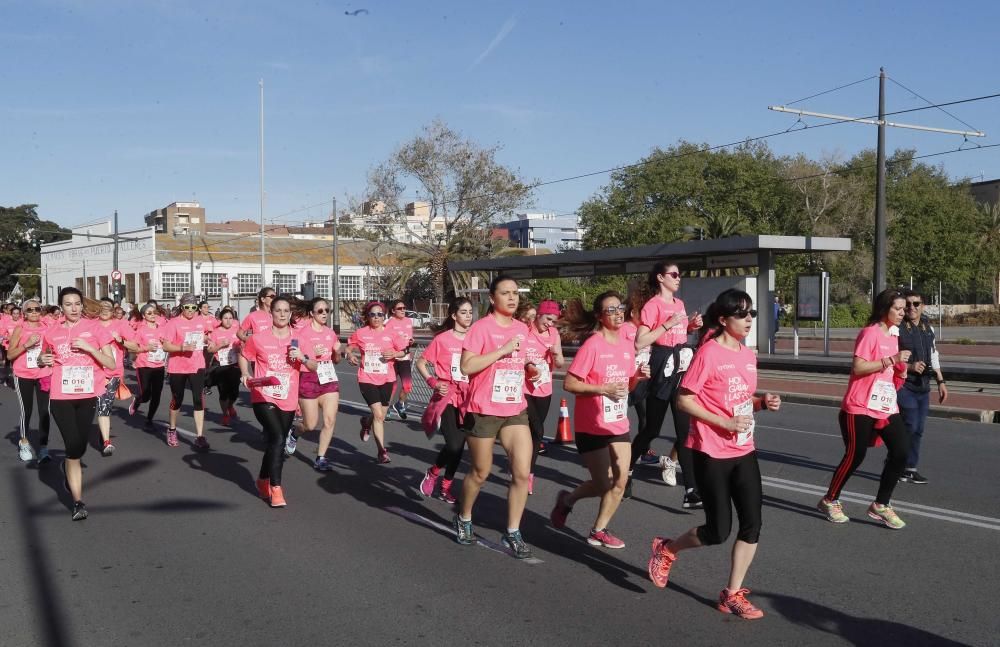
x,y
737,604
277,497
660,562
264,489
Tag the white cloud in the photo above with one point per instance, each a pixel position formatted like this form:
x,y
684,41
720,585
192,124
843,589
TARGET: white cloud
x,y
501,35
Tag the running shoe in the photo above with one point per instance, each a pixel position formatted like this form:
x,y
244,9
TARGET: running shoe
x,y
834,510
201,443
226,420
913,476
669,473
604,538
692,500
383,457
264,489
463,531
515,543
79,511
24,451
232,413
291,442
172,438
366,428
428,482
108,448
321,464
649,458
531,483
400,408
43,455
886,515
543,449
660,562
560,511
133,406
444,494
277,497
737,604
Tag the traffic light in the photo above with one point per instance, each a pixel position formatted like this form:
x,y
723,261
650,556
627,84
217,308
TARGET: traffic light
x,y
308,290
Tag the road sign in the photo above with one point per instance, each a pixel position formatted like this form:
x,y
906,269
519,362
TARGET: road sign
x,y
116,275
225,281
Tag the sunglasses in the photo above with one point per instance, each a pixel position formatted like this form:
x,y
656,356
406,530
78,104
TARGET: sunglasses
x,y
673,275
320,311
380,315
613,310
399,308
914,304
742,314
267,296
189,307
32,310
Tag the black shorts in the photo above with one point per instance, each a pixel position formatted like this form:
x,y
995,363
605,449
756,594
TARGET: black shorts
x,y
376,393
195,381
592,442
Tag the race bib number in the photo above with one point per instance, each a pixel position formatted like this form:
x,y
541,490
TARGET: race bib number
x,y
883,397
326,372
745,409
456,369
684,359
77,380
507,386
157,355
226,356
642,357
278,391
194,338
544,374
614,410
31,357
374,364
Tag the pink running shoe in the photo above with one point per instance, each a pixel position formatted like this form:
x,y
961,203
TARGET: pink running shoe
x,y
383,457
428,482
660,562
172,438
560,511
366,429
737,604
444,494
604,538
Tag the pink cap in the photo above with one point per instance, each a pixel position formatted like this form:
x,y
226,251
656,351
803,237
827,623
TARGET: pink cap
x,y
548,307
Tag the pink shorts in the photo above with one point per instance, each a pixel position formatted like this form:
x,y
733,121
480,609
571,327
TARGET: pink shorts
x,y
310,388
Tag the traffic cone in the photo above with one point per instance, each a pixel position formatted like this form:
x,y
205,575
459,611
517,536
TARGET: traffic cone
x,y
564,434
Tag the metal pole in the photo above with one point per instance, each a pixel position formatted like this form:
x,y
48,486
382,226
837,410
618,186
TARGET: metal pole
x,y
191,258
262,261
940,335
826,314
880,244
335,278
114,260
84,290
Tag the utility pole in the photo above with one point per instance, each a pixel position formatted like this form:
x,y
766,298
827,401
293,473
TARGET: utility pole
x,y
262,263
335,278
191,258
116,285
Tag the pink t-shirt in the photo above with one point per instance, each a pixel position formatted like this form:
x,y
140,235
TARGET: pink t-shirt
x,y
26,365
270,357
208,321
231,344
600,362
181,330
656,312
257,321
312,342
445,355
371,342
723,381
125,332
403,329
76,375
872,395
498,389
147,336
537,349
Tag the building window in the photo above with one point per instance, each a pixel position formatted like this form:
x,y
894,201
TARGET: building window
x,y
350,288
248,283
285,283
211,285
322,286
174,283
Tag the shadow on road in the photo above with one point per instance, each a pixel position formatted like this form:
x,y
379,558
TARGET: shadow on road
x,y
799,460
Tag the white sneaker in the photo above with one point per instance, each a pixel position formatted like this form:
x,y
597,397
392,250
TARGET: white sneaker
x,y
669,473
24,451
291,442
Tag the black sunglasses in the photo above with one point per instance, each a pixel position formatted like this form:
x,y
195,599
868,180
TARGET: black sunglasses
x,y
32,309
320,311
914,304
376,314
742,314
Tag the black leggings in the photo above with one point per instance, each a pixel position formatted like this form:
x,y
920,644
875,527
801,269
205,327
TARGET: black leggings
x,y
30,391
275,422
197,383
858,432
150,388
454,441
656,412
724,480
227,380
538,410
75,419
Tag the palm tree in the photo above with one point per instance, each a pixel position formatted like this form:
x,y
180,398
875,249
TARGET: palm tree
x,y
989,247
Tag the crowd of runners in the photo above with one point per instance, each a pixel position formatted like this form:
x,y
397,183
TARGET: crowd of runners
x,y
491,382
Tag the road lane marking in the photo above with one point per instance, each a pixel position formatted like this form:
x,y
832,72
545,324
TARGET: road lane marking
x,y
480,541
800,431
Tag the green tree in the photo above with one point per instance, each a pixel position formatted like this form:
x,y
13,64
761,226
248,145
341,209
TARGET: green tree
x,y
21,233
988,245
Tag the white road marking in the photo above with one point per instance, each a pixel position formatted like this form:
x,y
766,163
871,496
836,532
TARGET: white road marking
x,y
799,431
480,541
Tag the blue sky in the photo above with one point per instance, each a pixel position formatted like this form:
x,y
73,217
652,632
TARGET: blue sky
x,y
133,104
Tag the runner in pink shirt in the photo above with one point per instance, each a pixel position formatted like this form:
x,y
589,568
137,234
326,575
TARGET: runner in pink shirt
x,y
718,392
120,333
77,350
150,362
601,376
493,358
401,326
451,386
29,378
869,410
319,387
224,372
275,355
260,319
543,354
184,338
379,349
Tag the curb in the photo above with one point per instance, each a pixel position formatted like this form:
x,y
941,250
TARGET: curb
x,y
950,413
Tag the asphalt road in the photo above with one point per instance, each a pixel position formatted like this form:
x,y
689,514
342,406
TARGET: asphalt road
x,y
178,550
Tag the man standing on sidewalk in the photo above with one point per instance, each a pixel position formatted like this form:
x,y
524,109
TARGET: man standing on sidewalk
x,y
917,336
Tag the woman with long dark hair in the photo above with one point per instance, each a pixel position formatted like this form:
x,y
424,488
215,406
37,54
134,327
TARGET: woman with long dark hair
x,y
601,376
869,410
664,325
259,319
451,387
224,374
717,392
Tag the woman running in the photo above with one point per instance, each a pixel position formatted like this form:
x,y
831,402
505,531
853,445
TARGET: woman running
x,y
30,376
260,319
718,394
225,372
637,396
274,356
319,387
451,387
77,350
543,353
493,358
120,332
601,376
664,325
402,327
150,362
379,350
869,410
184,338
